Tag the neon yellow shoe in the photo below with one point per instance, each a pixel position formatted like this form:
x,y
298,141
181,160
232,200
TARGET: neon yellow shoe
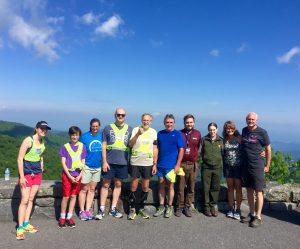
x,y
30,229
20,234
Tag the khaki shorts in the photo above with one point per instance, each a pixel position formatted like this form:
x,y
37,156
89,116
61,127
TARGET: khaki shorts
x,y
91,175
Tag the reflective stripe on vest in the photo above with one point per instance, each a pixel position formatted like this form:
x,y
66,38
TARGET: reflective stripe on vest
x,y
76,156
119,138
34,154
144,149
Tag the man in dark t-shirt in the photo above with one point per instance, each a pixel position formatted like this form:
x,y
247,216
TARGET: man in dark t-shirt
x,y
255,140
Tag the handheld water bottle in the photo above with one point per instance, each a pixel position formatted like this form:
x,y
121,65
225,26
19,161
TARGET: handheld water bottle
x,y
7,174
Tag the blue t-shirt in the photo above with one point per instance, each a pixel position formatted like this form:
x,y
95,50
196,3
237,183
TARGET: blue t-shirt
x,y
93,146
168,144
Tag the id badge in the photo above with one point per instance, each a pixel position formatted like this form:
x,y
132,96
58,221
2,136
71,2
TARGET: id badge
x,y
187,151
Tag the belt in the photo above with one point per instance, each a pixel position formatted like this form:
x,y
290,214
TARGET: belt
x,y
189,162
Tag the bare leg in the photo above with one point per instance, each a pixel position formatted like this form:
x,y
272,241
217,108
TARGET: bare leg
x,y
32,194
72,204
82,195
145,185
116,192
238,193
161,190
64,203
90,195
170,192
259,203
230,192
250,197
134,184
104,191
25,192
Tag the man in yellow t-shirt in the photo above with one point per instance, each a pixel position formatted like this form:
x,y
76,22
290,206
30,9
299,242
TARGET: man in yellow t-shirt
x,y
142,164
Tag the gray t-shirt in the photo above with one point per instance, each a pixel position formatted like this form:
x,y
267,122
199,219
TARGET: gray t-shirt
x,y
253,143
116,156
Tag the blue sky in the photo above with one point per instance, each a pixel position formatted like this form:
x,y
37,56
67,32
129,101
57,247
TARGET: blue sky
x,y
69,61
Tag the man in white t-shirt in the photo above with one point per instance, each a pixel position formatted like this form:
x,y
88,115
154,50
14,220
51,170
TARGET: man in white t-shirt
x,y
142,164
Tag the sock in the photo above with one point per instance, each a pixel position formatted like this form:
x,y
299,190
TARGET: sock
x,y
62,215
20,227
25,223
69,216
132,200
113,207
102,208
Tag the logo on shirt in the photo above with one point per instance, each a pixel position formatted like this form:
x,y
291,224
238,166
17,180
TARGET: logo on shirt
x,y
95,146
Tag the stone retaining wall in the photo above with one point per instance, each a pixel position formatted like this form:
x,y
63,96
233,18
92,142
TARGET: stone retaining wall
x,y
47,202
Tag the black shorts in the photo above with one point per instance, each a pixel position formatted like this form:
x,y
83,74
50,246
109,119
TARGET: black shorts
x,y
254,178
140,171
232,172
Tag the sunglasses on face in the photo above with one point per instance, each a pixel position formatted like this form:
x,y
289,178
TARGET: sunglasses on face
x,y
120,115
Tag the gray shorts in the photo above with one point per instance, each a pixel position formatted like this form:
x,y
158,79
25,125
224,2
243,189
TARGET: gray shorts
x,y
91,175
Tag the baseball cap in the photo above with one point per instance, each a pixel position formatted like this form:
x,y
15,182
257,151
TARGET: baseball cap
x,y
42,124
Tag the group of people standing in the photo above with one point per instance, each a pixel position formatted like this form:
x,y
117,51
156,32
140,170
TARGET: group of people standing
x,y
170,154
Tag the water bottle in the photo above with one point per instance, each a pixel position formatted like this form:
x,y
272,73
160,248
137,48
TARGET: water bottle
x,y
7,173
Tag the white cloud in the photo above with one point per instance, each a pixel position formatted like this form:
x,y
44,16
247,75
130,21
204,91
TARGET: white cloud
x,y
89,18
214,52
110,27
156,44
286,58
241,48
28,25
32,37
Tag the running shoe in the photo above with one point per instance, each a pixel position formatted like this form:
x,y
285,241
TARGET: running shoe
x,y
248,219
169,212
237,214
20,234
230,213
61,223
143,214
90,214
30,229
100,215
178,212
132,214
187,211
115,213
256,222
70,223
160,211
83,215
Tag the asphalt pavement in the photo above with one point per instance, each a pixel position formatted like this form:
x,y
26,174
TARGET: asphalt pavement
x,y
279,230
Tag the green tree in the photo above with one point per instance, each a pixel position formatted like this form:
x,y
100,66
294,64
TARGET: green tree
x,y
280,168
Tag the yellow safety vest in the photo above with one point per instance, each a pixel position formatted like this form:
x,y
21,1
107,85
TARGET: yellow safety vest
x,y
119,138
34,154
145,148
76,156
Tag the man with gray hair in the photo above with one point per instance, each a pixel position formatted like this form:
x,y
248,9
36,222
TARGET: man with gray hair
x,y
143,161
255,140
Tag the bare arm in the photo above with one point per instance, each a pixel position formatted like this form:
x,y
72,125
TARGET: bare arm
x,y
66,170
105,165
155,155
268,152
24,146
135,137
179,159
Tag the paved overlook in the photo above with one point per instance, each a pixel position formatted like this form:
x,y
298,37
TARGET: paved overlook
x,y
280,229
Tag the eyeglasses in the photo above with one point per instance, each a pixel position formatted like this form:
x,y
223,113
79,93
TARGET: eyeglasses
x,y
120,115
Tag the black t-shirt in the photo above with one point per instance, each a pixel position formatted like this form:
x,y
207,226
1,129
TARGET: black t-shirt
x,y
253,143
